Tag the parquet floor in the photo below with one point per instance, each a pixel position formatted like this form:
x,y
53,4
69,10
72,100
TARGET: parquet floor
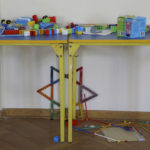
x,y
37,134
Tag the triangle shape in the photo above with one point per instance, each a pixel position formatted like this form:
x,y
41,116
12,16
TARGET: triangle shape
x,y
52,81
93,94
50,98
80,70
43,94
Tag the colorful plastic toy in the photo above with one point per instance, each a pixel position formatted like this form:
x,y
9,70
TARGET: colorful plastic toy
x,y
35,18
23,21
2,30
56,139
127,27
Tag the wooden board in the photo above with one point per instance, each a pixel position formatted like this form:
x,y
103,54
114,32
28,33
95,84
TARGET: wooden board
x,y
96,114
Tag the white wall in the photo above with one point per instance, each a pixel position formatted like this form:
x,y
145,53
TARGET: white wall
x,y
120,75
0,66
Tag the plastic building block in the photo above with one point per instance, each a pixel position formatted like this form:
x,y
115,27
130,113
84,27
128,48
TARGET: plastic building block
x,y
41,32
56,139
44,17
11,32
36,26
53,19
55,26
2,30
79,32
67,27
46,20
31,23
46,32
72,25
80,28
35,18
23,21
4,25
57,31
73,30
26,33
113,28
32,33
3,21
100,27
46,25
21,32
53,32
64,31
22,28
69,31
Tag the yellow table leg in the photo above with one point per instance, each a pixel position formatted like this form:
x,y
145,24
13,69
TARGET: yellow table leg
x,y
74,87
59,49
72,51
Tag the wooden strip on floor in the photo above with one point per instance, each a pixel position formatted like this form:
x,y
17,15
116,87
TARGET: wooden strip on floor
x,y
101,114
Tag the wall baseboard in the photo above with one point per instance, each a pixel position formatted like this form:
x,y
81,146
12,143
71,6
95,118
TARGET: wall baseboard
x,y
133,115
25,113
0,114
96,114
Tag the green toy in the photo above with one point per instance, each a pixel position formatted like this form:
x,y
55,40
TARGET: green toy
x,y
101,27
36,26
113,28
55,26
46,20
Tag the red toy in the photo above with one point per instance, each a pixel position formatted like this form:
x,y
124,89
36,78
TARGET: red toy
x,y
53,19
53,32
74,122
67,27
11,32
32,33
72,25
46,32
35,18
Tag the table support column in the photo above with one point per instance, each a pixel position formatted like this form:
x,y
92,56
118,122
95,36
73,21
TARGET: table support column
x,y
59,49
72,52
74,87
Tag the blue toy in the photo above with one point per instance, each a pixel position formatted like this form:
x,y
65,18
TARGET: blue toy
x,y
80,28
46,25
4,25
23,21
56,139
135,27
2,30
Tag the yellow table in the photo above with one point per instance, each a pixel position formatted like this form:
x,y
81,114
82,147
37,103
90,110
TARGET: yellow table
x,y
57,43
75,42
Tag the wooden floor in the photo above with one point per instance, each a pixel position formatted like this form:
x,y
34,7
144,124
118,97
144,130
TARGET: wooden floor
x,y
37,134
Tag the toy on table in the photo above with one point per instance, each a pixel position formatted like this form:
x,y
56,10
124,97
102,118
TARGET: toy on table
x,y
29,26
127,27
131,27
